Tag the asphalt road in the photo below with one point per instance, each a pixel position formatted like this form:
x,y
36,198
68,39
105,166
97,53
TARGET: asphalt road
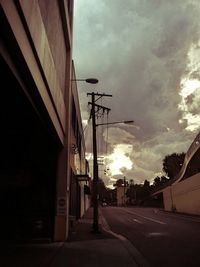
x,y
164,239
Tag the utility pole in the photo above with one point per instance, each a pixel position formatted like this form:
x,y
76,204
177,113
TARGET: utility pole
x,y
95,108
124,191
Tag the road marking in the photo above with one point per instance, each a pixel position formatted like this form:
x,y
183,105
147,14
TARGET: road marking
x,y
147,218
134,253
135,220
156,234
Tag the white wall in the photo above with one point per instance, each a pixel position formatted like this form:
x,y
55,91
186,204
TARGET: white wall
x,y
184,196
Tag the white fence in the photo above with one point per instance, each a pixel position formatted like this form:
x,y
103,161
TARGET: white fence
x,y
184,196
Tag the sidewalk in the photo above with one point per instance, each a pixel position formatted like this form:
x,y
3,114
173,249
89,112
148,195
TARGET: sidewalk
x,y
87,249
83,248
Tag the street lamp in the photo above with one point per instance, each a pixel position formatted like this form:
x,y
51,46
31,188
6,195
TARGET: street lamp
x,y
115,122
88,80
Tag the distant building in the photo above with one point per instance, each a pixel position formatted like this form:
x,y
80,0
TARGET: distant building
x,y
121,195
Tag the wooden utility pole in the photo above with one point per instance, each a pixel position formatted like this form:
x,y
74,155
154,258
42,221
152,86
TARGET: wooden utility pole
x,y
124,191
94,109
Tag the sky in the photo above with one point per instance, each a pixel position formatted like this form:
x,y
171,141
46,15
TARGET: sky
x,y
146,53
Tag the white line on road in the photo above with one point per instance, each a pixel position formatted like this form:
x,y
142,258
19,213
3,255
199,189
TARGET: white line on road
x,y
147,218
135,220
155,234
134,253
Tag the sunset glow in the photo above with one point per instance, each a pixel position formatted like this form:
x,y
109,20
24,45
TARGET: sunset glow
x,y
120,159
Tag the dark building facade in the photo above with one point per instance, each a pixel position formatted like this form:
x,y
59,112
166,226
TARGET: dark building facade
x,y
35,116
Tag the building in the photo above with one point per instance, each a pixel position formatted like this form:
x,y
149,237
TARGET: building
x,y
80,181
36,116
121,195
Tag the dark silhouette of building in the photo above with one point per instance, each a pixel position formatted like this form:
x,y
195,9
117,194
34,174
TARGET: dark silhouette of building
x,y
36,115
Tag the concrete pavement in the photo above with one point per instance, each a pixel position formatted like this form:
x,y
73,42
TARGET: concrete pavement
x,y
83,248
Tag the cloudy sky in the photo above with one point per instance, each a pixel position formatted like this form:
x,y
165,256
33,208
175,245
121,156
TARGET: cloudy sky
x,y
146,53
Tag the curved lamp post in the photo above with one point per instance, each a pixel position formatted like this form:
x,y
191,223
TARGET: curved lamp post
x,y
115,122
88,80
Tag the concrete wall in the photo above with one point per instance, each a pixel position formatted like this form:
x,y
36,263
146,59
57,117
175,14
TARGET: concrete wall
x,y
37,53
54,30
183,196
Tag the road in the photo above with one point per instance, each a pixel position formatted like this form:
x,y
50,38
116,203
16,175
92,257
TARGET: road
x,y
164,239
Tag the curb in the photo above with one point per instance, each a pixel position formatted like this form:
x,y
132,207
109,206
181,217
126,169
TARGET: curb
x,y
193,217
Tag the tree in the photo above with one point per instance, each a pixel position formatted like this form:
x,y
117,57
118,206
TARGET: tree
x,y
163,179
159,181
173,163
137,193
156,181
103,191
146,184
119,182
131,192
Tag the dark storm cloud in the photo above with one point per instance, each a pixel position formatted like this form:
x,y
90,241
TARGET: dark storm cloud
x,y
139,51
